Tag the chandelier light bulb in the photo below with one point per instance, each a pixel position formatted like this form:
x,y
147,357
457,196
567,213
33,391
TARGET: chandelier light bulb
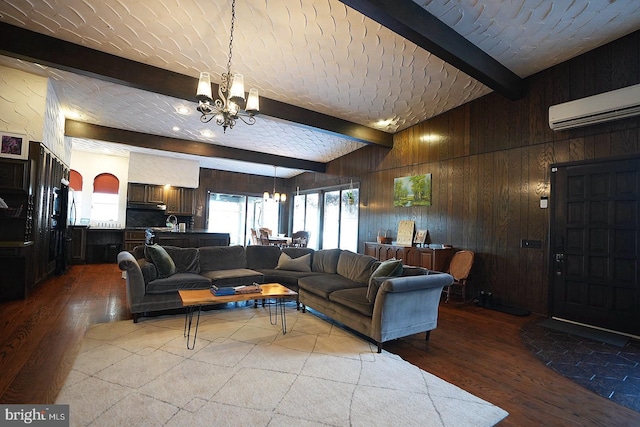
x,y
204,87
253,102
236,93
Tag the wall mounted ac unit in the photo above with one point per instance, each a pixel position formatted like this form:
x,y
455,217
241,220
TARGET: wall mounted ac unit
x,y
603,107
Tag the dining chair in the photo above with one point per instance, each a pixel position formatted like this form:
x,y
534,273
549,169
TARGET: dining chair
x,y
459,268
300,239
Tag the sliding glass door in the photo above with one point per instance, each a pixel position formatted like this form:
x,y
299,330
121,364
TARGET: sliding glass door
x,y
306,216
340,219
332,223
238,214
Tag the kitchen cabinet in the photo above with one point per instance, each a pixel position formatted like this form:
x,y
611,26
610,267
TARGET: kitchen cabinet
x,y
16,274
77,246
188,201
436,259
103,245
16,221
180,201
14,175
133,238
145,193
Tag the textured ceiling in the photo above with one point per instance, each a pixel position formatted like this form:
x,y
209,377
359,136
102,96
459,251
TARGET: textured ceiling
x,y
320,55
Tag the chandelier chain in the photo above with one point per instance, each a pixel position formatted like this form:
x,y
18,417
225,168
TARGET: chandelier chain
x,y
233,21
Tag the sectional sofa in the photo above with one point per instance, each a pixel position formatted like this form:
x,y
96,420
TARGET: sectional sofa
x,y
382,301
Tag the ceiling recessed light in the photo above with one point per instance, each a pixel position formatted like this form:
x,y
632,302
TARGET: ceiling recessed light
x,y
206,133
185,111
385,123
175,128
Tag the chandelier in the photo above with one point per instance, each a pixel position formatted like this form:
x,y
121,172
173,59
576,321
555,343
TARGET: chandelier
x,y
277,197
231,105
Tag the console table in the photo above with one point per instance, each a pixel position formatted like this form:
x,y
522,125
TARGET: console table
x,y
430,258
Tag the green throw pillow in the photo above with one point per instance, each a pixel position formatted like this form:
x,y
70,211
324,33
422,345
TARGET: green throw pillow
x,y
163,262
389,268
302,263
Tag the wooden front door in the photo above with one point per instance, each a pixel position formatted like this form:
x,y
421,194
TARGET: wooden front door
x,y
594,244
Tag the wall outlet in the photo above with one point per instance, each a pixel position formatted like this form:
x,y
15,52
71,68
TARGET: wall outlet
x,y
531,244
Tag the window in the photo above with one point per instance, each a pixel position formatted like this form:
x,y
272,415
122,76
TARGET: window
x,y
306,217
238,214
75,196
340,219
105,199
338,215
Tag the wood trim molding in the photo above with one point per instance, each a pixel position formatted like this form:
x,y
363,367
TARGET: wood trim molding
x,y
30,46
76,129
413,22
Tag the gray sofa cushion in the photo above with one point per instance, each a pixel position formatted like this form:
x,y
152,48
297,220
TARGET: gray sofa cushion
x,y
187,260
259,257
323,284
176,282
355,298
326,261
356,267
233,277
222,258
287,278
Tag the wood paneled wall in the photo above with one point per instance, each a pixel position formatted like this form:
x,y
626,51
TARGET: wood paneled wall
x,y
489,161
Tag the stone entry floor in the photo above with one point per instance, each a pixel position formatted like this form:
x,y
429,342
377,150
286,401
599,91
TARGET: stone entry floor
x,y
608,370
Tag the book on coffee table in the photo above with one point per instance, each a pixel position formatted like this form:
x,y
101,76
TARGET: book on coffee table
x,y
222,291
233,290
248,289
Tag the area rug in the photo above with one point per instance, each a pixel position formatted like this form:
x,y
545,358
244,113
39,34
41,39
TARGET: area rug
x,y
245,372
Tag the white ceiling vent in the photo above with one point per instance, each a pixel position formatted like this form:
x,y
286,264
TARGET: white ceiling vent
x,y
603,107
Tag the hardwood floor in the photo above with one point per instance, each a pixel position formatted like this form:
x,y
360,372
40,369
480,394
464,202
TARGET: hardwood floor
x,y
476,349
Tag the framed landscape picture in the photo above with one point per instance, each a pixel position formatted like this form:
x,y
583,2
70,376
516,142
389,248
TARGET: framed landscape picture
x,y
14,146
412,190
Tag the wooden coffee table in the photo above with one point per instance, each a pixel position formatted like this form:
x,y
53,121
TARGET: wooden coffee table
x,y
194,299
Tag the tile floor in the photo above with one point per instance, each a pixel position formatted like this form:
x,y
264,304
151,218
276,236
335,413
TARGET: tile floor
x,y
610,371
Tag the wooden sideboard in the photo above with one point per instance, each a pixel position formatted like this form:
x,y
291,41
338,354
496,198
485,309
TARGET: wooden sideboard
x,y
431,258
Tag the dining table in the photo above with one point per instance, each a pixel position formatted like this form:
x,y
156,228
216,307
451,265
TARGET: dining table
x,y
279,240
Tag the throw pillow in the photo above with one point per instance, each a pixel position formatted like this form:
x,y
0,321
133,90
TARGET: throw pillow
x,y
149,270
302,263
389,268
163,262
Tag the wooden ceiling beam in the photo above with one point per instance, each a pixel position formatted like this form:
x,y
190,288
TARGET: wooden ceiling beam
x,y
30,46
413,22
76,129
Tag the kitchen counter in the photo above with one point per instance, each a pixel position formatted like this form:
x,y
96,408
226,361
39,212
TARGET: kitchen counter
x,y
191,238
164,236
192,231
